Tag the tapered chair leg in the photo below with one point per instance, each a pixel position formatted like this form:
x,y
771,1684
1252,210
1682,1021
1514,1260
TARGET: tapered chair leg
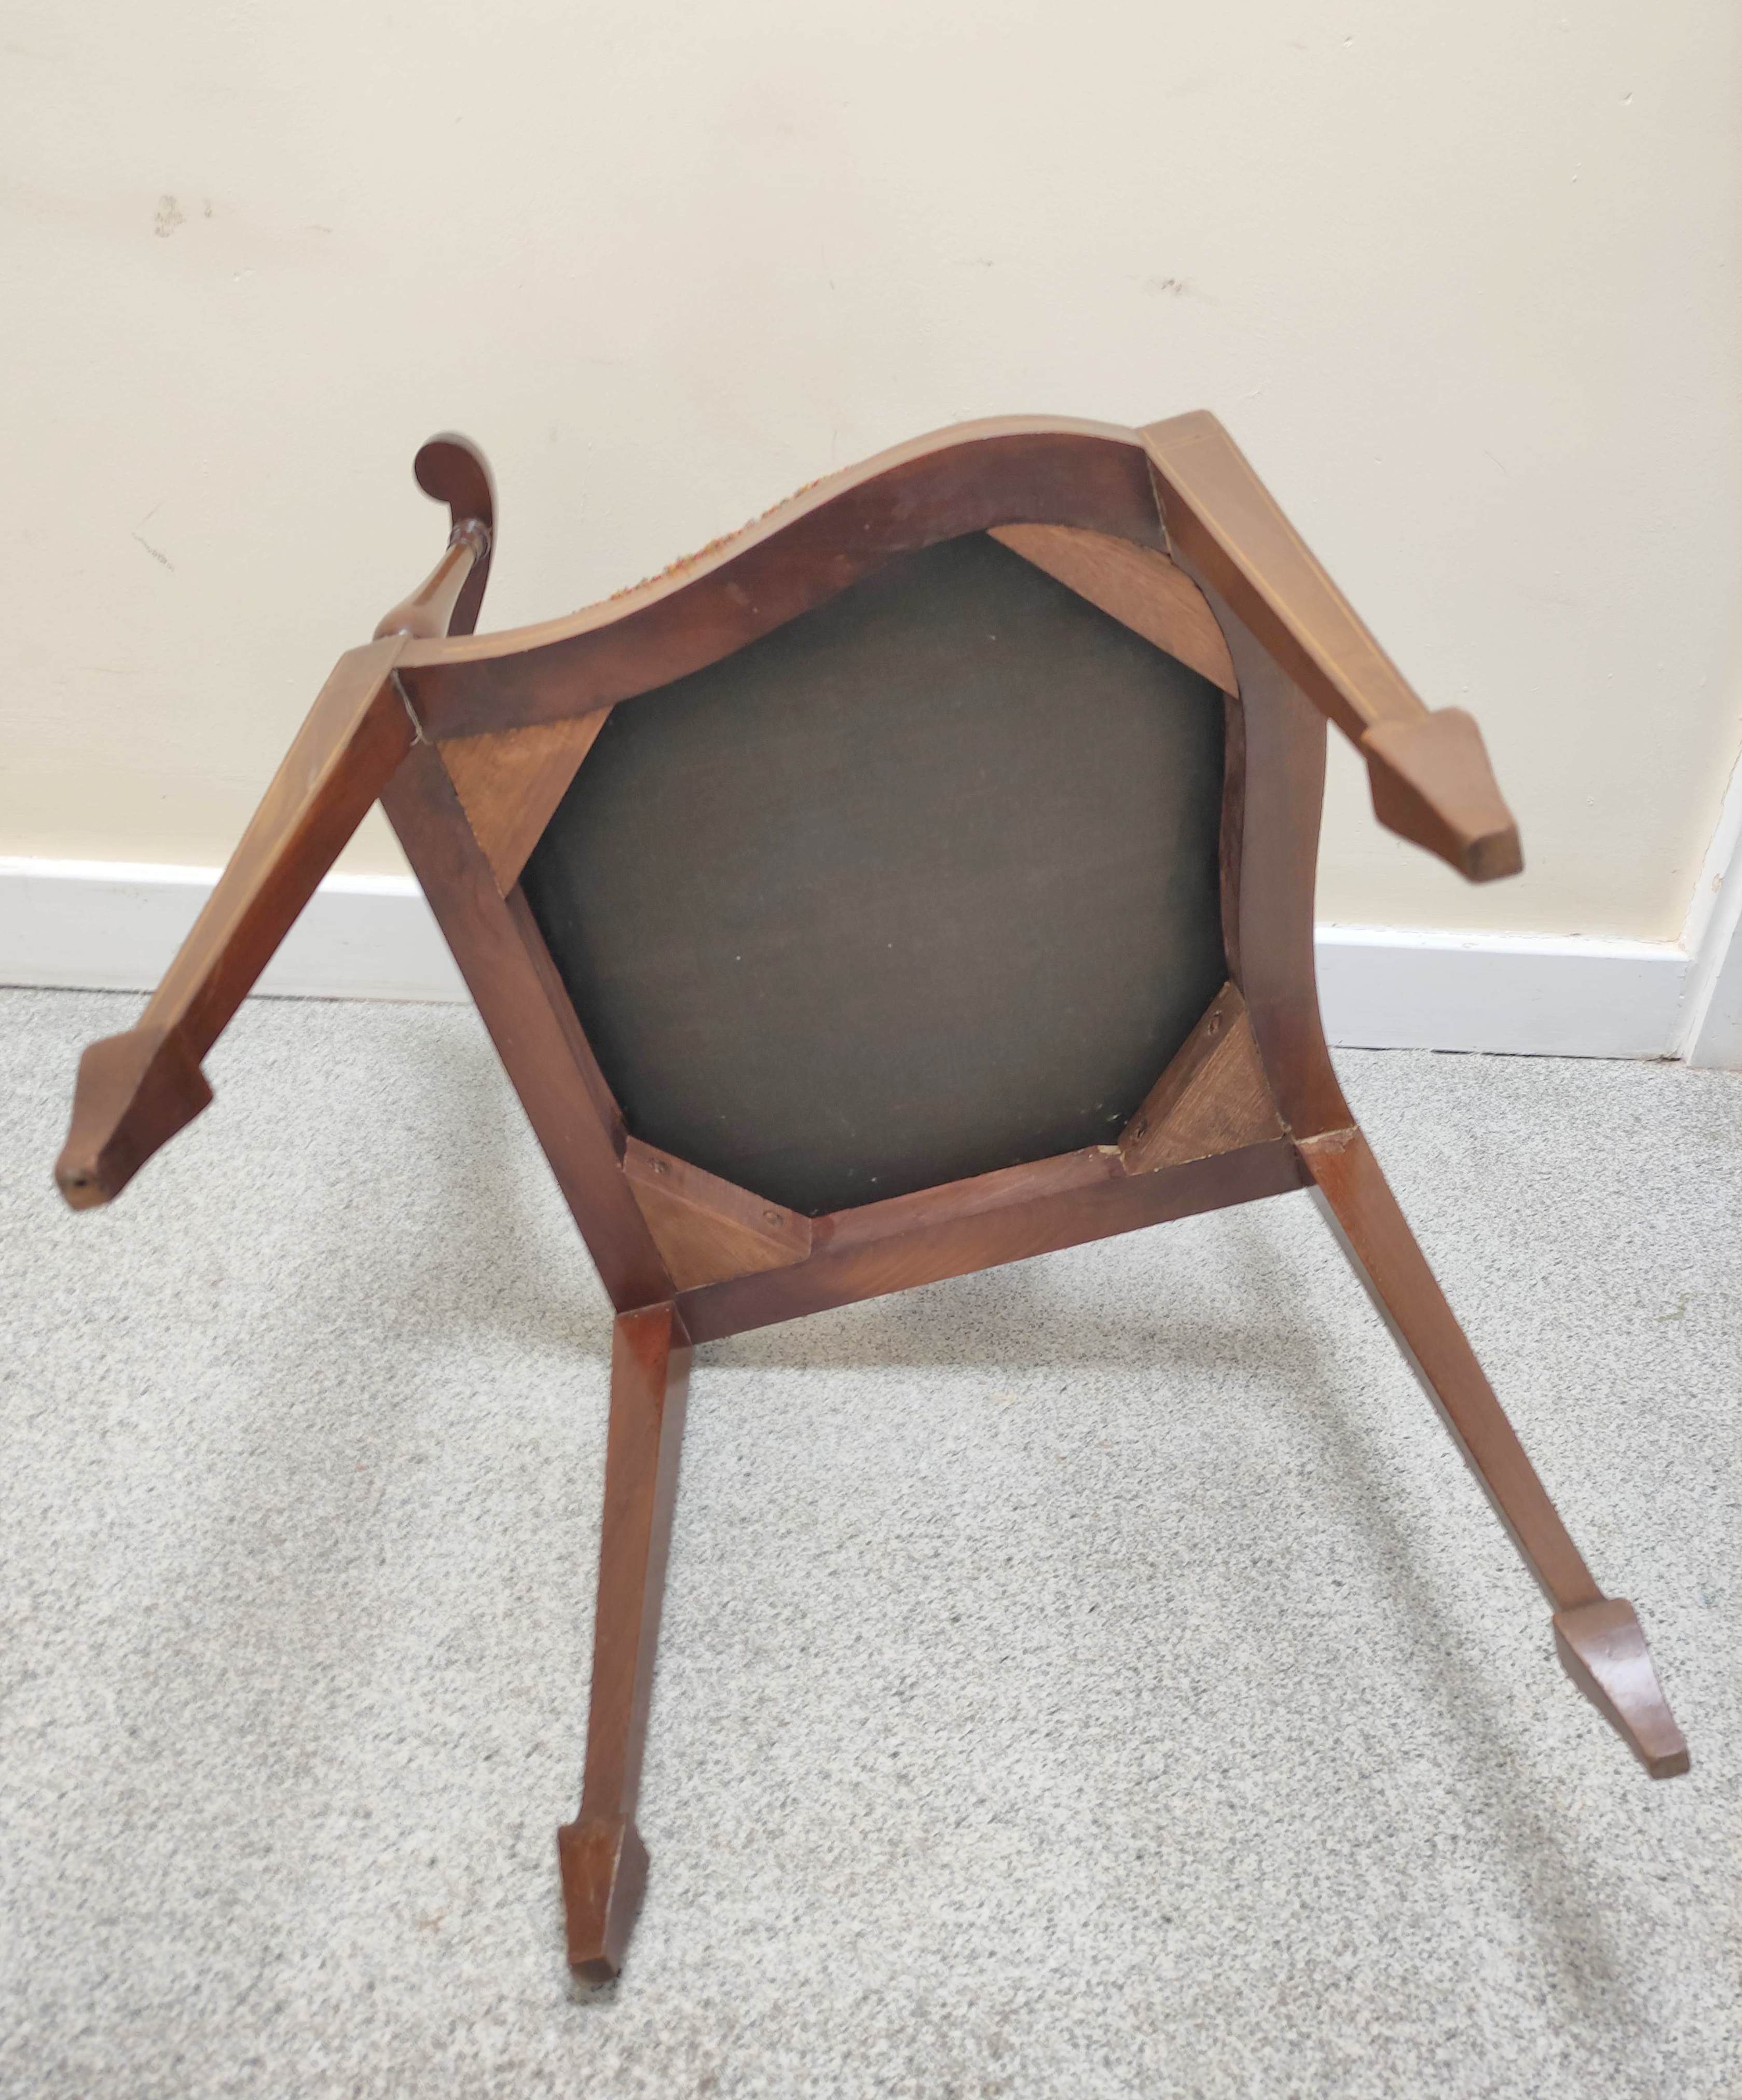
x,y
603,1859
1598,1638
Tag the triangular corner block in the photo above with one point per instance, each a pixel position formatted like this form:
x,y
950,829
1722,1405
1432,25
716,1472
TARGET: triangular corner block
x,y
1139,587
510,781
1213,1098
708,1230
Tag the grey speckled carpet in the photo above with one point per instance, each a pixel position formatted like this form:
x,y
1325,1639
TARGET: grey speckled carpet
x,y
1096,1677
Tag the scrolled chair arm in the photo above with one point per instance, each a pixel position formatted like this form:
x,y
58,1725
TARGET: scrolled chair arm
x,y
453,471
134,1091
1427,768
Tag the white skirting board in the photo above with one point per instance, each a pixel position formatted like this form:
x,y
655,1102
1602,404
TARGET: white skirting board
x,y
1712,1011
1401,988
114,925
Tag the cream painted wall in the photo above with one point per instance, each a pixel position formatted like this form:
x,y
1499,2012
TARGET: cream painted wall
x,y
1461,281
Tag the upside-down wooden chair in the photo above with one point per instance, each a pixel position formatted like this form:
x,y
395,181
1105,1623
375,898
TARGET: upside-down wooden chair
x,y
919,880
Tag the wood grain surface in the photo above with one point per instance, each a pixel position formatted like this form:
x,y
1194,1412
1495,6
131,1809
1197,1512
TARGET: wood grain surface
x,y
707,1229
603,1860
1213,1098
509,782
1136,584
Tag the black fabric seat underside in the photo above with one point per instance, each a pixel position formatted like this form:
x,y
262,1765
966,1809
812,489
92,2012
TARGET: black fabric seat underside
x,y
921,885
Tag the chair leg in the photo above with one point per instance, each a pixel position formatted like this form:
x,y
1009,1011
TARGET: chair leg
x,y
603,1861
1599,1639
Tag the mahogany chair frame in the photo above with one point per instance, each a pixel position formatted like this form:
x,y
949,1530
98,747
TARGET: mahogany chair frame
x,y
470,742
